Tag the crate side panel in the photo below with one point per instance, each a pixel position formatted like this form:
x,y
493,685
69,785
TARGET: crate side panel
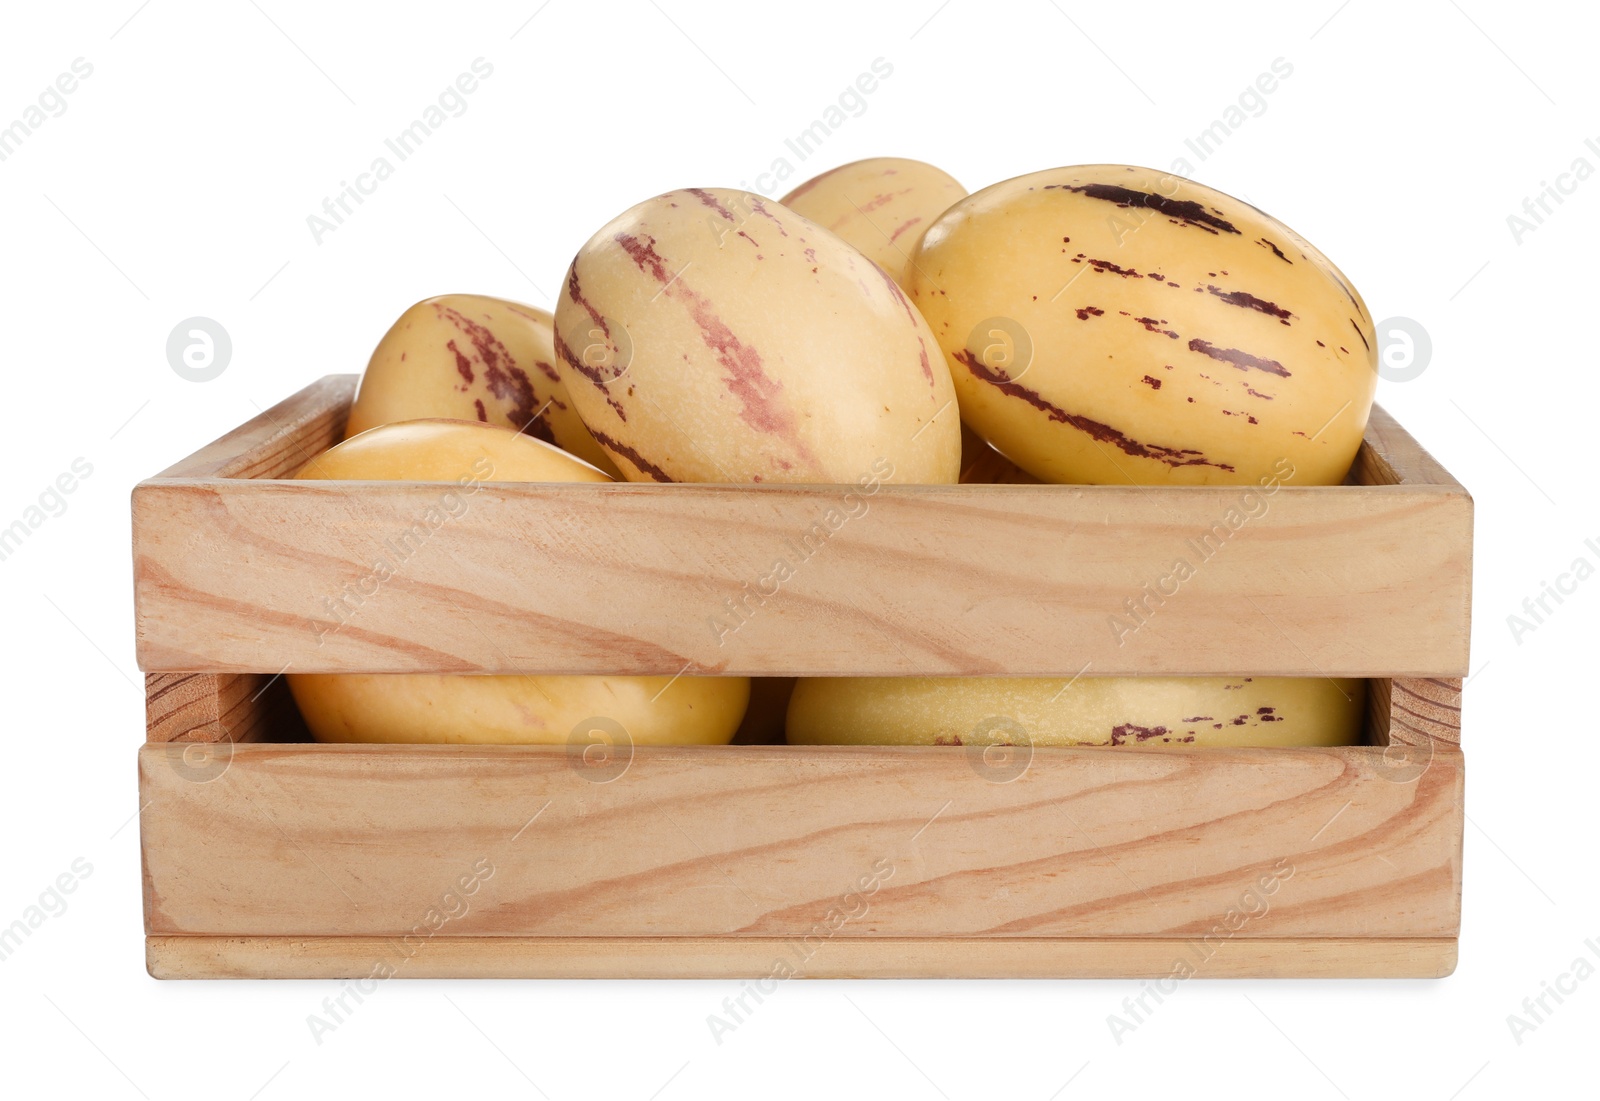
x,y
251,576
769,841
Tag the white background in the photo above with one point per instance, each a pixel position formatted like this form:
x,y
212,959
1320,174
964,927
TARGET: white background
x,y
178,182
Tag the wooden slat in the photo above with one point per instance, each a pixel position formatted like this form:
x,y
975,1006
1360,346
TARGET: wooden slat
x,y
441,957
951,580
1425,710
279,441
208,707
764,840
236,575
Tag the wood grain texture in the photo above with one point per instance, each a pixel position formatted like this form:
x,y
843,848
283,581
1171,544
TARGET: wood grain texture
x,y
446,957
248,574
765,840
1424,710
240,576
294,860
209,707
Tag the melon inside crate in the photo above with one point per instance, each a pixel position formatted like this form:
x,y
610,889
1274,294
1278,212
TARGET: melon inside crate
x,y
268,855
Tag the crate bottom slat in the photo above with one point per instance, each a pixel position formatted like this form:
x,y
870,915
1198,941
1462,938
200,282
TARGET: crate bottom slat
x,y
509,957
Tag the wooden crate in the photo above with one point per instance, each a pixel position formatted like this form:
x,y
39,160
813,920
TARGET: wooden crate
x,y
268,855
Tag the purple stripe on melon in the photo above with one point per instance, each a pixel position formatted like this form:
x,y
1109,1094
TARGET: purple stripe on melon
x,y
1182,210
761,208
879,199
1242,360
640,463
463,364
1249,301
1107,265
509,383
643,253
711,201
1103,433
894,289
1151,325
1121,734
901,228
747,379
575,292
593,374
1276,251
